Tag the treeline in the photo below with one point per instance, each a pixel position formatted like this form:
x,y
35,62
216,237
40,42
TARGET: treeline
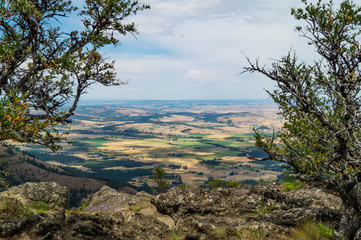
x,y
58,157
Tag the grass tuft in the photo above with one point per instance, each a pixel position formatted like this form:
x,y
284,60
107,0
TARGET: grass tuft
x,y
314,231
11,208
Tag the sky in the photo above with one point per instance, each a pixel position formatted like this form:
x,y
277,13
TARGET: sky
x,y
195,49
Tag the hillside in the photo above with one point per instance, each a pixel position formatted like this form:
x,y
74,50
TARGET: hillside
x,y
24,168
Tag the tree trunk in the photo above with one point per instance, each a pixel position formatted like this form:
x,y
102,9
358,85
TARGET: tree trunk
x,y
350,224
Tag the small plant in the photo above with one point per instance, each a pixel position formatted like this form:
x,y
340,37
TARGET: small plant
x,y
289,186
216,183
85,204
161,179
4,182
136,208
11,208
290,183
264,209
220,233
176,236
232,184
249,234
183,187
315,231
324,230
40,206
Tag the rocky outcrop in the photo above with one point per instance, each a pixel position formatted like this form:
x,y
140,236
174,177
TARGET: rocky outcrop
x,y
51,193
200,212
264,212
110,200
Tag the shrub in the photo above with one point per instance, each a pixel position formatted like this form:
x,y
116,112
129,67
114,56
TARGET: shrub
x,y
85,204
40,206
315,231
161,180
11,208
290,183
215,183
232,184
263,209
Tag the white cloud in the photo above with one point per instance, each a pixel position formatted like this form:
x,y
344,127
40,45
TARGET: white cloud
x,y
197,49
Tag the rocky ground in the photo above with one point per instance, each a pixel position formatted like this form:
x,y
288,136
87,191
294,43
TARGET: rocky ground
x,y
245,212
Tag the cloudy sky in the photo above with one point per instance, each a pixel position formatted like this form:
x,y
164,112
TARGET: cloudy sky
x,y
195,49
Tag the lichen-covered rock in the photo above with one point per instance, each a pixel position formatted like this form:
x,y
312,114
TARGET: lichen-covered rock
x,y
39,226
109,197
246,212
201,212
51,193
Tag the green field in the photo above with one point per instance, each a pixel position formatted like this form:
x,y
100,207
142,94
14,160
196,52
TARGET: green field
x,y
191,144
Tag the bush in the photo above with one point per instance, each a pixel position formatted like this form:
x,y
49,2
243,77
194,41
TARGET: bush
x,y
215,183
12,208
315,231
290,183
40,206
85,204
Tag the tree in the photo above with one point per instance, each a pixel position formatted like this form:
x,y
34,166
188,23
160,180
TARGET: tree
x,y
45,67
320,103
161,179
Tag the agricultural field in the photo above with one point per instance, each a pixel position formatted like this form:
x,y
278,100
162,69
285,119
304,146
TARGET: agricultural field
x,y
192,140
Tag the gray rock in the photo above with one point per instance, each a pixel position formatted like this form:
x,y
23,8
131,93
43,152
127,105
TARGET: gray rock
x,y
51,193
263,211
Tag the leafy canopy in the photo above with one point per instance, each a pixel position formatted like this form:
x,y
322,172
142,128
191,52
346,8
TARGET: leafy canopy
x,y
321,105
320,102
44,68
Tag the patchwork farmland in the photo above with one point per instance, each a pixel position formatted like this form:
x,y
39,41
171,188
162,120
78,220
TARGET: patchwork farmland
x,y
192,140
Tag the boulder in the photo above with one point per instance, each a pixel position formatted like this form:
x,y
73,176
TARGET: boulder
x,y
108,199
204,213
51,193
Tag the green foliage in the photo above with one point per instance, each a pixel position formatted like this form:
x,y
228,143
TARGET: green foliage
x,y
289,186
232,184
85,204
290,183
11,208
44,68
313,231
263,209
216,183
250,234
161,179
4,183
320,103
219,233
320,134
176,236
183,187
136,208
40,206
324,230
